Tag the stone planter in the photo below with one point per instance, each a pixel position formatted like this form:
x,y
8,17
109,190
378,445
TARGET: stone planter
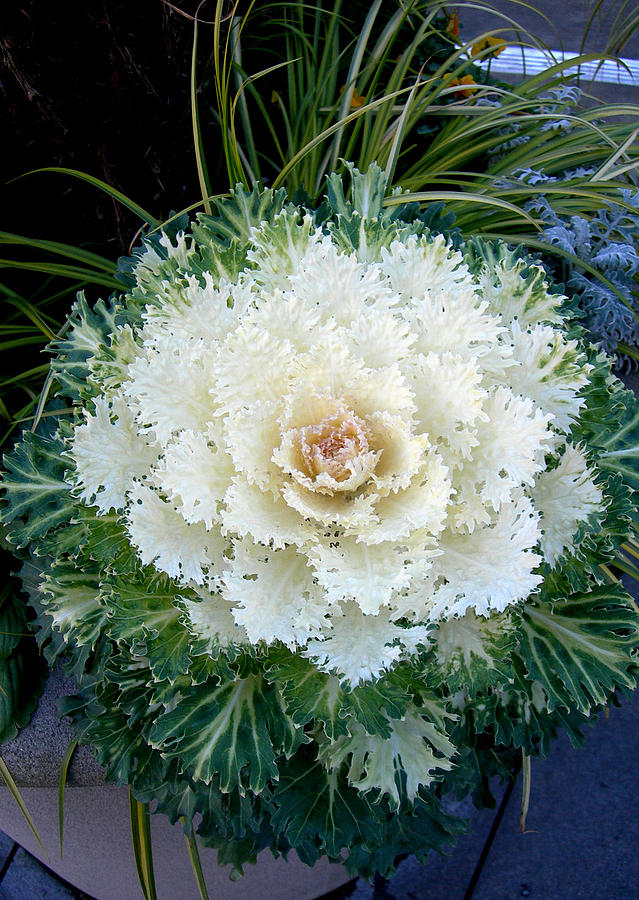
x,y
97,853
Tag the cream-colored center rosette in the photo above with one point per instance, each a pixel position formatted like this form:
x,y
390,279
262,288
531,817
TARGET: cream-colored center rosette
x,y
332,452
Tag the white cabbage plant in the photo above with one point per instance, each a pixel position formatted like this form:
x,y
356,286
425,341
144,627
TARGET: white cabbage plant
x,y
323,516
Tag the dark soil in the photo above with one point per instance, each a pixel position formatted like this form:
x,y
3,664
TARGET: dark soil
x,y
103,88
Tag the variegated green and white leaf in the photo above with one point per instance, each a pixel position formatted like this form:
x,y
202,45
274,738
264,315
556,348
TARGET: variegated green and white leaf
x,y
367,192
238,214
472,652
580,649
313,803
221,729
37,494
71,599
415,754
87,337
311,695
513,288
143,613
621,449
105,541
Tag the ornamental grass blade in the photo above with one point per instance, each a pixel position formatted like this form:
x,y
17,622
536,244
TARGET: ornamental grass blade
x,y
102,186
65,271
400,129
60,249
200,161
62,781
194,856
142,848
17,796
452,198
525,790
356,61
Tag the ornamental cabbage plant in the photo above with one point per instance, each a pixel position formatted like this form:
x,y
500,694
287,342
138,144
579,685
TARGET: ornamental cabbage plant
x,y
321,515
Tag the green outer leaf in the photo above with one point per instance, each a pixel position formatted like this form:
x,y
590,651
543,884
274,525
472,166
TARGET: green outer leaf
x,y
311,695
221,729
71,599
472,653
89,334
39,497
417,832
621,453
143,614
581,648
142,848
313,803
238,214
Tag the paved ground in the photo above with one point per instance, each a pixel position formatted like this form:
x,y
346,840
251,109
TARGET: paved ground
x,y
583,825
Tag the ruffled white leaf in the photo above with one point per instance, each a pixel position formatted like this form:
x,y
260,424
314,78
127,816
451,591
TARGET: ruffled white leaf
x,y
416,749
511,442
457,323
520,297
211,621
191,312
402,452
273,595
360,647
341,510
449,398
108,454
278,247
552,372
165,540
169,388
424,266
422,506
288,317
368,575
252,366
565,496
490,568
340,287
265,517
380,340
251,439
472,652
195,474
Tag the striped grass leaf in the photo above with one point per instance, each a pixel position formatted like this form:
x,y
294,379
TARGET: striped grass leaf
x,y
102,186
62,781
194,857
142,846
17,796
